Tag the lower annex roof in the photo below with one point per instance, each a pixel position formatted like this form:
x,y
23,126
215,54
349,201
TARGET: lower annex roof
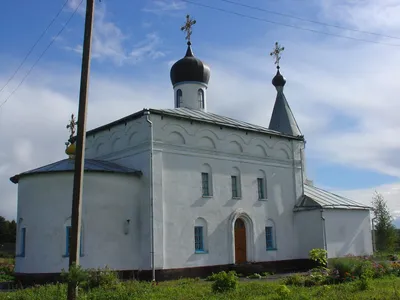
x,y
68,165
316,198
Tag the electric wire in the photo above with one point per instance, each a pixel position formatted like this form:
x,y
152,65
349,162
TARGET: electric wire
x,y
34,46
287,25
42,54
308,20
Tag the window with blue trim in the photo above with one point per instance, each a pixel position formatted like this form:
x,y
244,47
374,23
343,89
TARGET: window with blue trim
x,y
269,237
198,239
68,244
22,246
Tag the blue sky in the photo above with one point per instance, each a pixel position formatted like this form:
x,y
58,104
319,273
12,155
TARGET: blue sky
x,y
343,92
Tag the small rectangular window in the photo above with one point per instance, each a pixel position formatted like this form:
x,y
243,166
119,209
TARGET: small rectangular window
x,y
198,238
269,237
23,240
205,181
68,244
235,187
261,188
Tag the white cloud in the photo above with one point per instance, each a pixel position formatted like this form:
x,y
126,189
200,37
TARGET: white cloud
x,y
165,7
110,43
367,15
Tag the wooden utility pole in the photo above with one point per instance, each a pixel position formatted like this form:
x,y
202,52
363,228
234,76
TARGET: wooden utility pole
x,y
74,252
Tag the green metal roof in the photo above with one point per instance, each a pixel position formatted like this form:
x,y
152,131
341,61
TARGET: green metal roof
x,y
68,165
316,198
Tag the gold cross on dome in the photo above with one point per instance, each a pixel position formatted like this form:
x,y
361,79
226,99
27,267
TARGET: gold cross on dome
x,y
276,52
71,126
188,27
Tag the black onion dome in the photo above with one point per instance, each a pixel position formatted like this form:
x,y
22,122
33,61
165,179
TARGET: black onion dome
x,y
189,68
278,80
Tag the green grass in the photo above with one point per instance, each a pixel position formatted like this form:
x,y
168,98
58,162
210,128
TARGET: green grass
x,y
186,289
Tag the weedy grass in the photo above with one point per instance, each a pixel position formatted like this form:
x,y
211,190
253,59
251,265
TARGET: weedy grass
x,y
383,288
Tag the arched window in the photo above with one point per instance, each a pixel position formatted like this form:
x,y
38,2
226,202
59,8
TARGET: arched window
x,y
200,96
270,235
178,98
236,183
68,233
262,185
206,181
21,240
200,236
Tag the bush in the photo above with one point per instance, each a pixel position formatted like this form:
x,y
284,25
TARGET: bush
x,y
296,280
254,276
101,277
90,278
393,257
225,282
283,291
319,256
75,275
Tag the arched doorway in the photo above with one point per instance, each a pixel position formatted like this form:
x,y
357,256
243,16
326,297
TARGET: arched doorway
x,y
240,242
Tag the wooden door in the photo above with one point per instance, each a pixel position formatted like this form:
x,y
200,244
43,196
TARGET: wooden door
x,y
240,242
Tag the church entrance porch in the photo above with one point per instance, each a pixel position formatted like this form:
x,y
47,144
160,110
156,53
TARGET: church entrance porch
x,y
240,242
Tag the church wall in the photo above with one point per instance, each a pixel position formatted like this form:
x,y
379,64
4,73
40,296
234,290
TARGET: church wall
x,y
309,234
186,149
128,144
118,141
109,200
348,232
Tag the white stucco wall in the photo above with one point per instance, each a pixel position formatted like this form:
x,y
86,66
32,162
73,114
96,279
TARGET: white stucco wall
x,y
309,230
44,206
181,150
190,96
348,232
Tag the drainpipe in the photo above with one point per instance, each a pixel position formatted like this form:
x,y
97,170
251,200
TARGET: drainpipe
x,y
373,235
324,232
147,114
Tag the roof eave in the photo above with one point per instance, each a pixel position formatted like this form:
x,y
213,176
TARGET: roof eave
x,y
15,179
270,132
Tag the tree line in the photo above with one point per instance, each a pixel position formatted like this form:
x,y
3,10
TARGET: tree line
x,y
8,231
387,237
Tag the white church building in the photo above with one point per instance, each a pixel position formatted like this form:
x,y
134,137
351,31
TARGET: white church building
x,y
190,190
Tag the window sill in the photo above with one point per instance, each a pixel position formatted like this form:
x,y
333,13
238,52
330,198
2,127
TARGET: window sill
x,y
67,255
263,199
272,249
201,252
206,196
236,198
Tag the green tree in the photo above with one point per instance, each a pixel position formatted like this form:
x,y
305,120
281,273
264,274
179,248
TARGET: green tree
x,y
385,231
8,230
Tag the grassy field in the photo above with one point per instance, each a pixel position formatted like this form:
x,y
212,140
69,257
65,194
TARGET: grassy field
x,y
386,288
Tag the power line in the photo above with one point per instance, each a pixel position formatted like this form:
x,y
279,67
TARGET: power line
x,y
34,45
307,20
42,54
288,25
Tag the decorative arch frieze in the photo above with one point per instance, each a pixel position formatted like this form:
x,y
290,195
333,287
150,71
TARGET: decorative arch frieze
x,y
176,138
283,150
206,142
